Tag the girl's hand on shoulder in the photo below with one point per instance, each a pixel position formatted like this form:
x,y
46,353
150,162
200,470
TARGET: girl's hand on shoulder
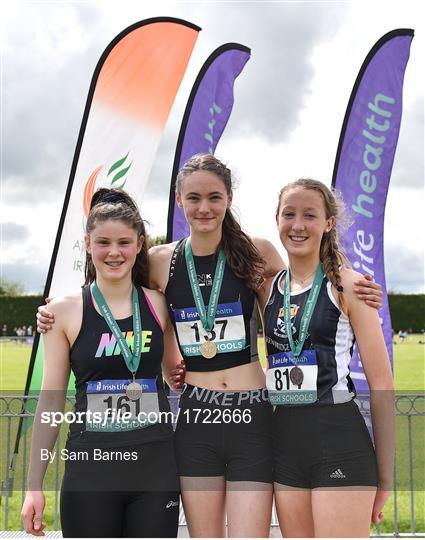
x,y
45,319
354,294
32,513
369,291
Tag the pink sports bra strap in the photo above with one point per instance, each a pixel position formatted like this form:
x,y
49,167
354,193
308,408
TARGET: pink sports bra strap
x,y
152,309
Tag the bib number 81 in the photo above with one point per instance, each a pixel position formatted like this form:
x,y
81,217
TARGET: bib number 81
x,y
281,379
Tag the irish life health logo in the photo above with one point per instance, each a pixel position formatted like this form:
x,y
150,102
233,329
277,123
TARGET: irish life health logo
x,y
116,177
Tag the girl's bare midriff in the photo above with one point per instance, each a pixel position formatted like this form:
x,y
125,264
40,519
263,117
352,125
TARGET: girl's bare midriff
x,y
236,379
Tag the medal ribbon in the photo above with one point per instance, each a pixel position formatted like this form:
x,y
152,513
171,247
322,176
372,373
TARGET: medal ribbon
x,y
308,310
132,360
206,316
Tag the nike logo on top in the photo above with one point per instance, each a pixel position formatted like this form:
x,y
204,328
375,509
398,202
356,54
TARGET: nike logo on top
x,y
337,474
108,345
205,280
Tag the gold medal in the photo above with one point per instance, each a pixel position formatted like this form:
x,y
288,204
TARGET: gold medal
x,y
134,391
208,349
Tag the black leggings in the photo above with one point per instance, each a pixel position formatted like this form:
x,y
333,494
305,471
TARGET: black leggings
x,y
119,514
114,497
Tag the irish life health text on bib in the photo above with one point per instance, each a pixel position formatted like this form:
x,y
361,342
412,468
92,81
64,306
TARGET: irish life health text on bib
x,y
107,402
228,332
286,390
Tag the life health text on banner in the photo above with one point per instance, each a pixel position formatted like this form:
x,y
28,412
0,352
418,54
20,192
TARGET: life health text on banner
x,y
364,162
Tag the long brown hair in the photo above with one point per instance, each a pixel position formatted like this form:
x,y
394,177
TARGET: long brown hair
x,y
331,254
117,205
242,256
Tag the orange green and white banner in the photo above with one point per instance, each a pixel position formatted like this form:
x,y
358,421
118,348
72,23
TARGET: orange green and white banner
x,y
130,97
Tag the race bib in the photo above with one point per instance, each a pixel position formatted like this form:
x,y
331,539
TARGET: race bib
x,y
110,410
291,382
228,332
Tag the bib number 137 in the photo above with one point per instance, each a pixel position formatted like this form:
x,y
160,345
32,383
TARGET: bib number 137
x,y
213,333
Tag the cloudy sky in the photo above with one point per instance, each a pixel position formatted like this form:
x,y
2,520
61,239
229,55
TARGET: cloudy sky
x,y
290,103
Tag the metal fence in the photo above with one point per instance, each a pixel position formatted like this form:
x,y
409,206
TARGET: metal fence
x,y
409,437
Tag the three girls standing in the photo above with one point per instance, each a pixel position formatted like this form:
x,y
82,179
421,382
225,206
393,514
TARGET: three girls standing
x,y
210,282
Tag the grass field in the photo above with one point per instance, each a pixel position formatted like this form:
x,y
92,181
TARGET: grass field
x,y
409,378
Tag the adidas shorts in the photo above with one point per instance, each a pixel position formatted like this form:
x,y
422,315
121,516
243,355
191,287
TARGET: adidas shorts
x,y
322,446
225,434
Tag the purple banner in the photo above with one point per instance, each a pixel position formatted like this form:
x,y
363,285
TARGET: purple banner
x,y
364,161
207,112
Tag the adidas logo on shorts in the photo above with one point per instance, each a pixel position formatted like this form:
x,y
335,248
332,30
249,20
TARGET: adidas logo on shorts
x,y
337,474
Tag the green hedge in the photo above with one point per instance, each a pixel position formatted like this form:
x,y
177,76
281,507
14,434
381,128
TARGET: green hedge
x,y
407,311
18,311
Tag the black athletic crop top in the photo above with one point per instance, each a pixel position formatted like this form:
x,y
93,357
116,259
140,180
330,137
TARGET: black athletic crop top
x,y
101,375
329,334
235,326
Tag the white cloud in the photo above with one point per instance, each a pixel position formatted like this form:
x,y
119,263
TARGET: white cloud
x,y
290,101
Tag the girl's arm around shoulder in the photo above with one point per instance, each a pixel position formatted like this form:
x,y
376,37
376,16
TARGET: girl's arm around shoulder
x,y
367,328
159,265
368,331
274,262
61,304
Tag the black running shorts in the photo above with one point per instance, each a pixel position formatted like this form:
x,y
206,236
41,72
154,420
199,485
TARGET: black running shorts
x,y
322,446
224,434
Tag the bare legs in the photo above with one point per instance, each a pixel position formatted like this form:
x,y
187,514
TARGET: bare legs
x,y
322,512
207,501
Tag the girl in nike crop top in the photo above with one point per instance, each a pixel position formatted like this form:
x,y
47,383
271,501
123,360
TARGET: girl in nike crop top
x,y
210,281
99,369
114,334
235,326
